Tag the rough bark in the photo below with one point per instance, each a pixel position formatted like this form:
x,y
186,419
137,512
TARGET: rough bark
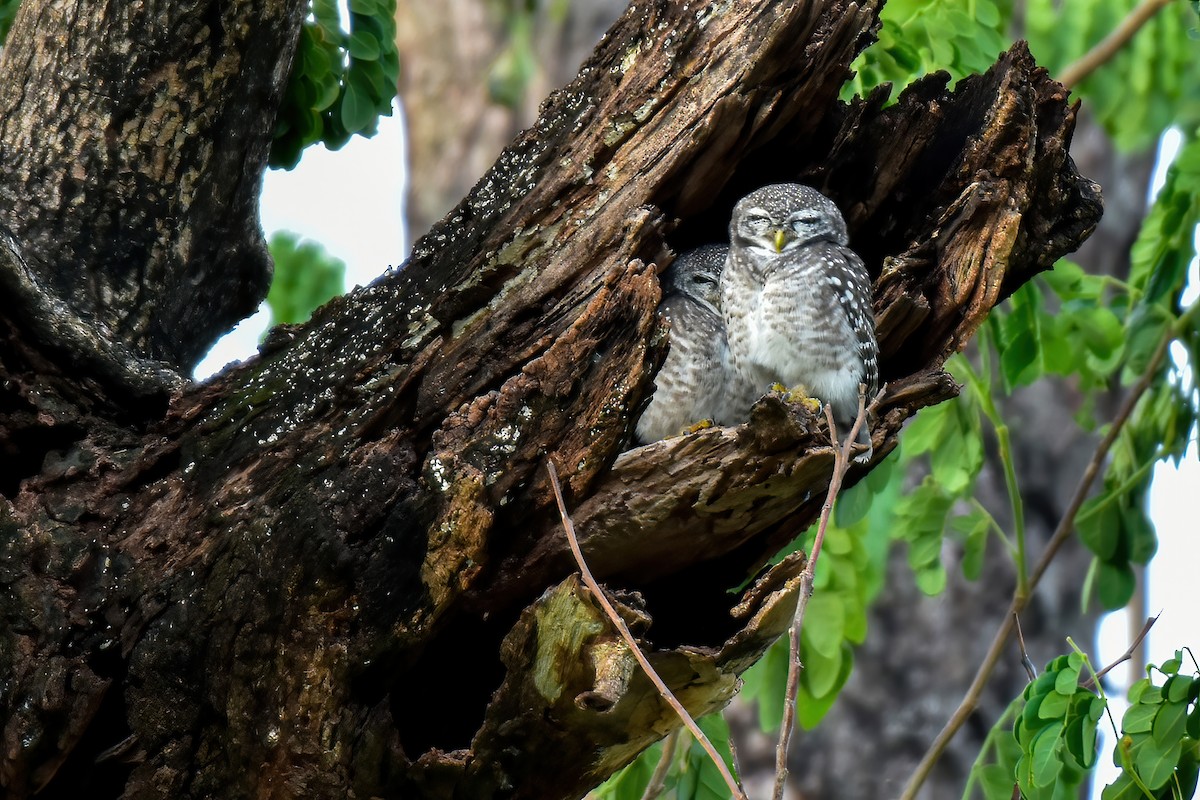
x,y
133,138
335,570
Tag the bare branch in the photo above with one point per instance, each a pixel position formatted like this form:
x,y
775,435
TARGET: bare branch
x,y
623,629
841,464
1026,661
1020,600
1093,59
1128,654
658,780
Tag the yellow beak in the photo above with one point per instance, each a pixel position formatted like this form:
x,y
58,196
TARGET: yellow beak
x,y
780,240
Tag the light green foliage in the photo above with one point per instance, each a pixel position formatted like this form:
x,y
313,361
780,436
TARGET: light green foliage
x,y
342,82
305,278
512,70
692,773
1052,744
1159,746
1056,731
8,10
918,37
849,576
992,774
1151,84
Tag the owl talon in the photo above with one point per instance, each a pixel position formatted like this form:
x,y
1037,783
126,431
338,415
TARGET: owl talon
x,y
703,424
863,457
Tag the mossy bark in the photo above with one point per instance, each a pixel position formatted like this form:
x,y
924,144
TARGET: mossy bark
x,y
337,570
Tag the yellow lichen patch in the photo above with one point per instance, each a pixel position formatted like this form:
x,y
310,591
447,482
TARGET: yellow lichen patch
x,y
456,542
564,625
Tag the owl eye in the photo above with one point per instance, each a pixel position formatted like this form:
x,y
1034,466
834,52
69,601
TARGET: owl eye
x,y
801,224
757,222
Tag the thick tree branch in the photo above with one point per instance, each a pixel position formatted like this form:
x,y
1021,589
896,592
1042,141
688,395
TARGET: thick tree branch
x,y
133,160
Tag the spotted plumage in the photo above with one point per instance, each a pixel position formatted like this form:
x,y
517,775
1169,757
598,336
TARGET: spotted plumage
x,y
691,383
796,302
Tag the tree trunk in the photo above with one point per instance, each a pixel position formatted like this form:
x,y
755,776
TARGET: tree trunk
x,y
337,569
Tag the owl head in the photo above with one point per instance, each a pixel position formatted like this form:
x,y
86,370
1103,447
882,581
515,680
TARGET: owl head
x,y
784,216
697,274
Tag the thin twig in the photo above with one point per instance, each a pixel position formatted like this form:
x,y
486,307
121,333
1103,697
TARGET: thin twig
x,y
623,629
1020,599
1128,654
1090,61
1026,661
841,464
658,781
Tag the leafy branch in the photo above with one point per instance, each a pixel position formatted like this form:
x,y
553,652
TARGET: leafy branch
x,y
1111,44
1020,598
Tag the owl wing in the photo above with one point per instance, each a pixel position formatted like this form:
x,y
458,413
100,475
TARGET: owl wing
x,y
691,380
856,301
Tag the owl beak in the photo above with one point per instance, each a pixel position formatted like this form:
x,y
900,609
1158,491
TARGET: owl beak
x,y
780,240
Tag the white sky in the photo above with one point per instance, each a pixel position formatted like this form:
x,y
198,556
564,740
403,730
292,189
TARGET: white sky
x,y
350,202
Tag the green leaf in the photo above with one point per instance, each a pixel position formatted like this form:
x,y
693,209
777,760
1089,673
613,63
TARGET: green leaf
x,y
1139,718
1169,723
766,683
996,781
305,278
813,709
853,504
932,580
1155,763
1054,706
1099,524
1175,689
1045,761
363,46
821,672
974,543
925,432
357,108
825,624
1115,585
630,783
1123,788
1066,681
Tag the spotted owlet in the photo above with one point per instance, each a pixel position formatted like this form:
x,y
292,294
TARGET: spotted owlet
x,y
691,383
797,304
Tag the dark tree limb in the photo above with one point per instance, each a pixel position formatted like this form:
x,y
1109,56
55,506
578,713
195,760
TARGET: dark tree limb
x,y
336,569
133,138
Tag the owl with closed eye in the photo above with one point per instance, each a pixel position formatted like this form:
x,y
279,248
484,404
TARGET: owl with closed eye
x,y
796,302
690,386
